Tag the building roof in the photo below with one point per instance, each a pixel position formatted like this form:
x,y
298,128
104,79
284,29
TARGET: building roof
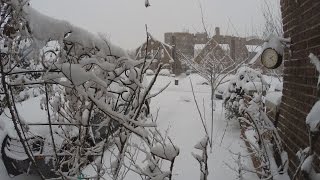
x,y
164,45
198,48
225,47
253,48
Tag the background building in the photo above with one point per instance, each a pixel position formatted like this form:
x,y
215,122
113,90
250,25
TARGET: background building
x,y
223,48
158,50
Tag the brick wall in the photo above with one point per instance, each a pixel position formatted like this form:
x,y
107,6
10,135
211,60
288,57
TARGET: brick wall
x,y
301,22
183,41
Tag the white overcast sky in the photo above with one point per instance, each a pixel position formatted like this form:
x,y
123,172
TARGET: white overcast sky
x,y
124,20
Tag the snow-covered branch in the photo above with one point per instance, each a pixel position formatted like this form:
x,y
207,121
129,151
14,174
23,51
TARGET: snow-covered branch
x,y
94,94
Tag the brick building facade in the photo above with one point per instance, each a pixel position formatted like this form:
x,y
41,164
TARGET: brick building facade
x,y
224,48
301,22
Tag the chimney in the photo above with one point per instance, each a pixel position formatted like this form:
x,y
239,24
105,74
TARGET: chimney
x,y
217,29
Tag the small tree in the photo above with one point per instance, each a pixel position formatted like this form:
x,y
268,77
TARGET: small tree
x,y
215,65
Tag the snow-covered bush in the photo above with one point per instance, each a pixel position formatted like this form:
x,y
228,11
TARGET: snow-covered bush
x,y
94,94
244,102
246,81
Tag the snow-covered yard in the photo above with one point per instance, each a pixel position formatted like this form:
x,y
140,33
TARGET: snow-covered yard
x,y
178,111
178,114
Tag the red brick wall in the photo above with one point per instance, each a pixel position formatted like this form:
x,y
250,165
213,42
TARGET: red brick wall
x,y
301,22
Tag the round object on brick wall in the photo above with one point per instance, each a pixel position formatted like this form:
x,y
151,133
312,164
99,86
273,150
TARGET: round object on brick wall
x,y
270,58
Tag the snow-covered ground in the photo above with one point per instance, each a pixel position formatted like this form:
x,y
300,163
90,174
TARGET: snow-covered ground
x,y
178,112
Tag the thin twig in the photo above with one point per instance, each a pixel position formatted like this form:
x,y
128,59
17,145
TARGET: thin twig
x,y
199,112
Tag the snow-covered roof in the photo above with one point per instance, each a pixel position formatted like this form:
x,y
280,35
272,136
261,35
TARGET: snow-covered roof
x,y
225,47
253,48
198,48
164,45
249,38
155,39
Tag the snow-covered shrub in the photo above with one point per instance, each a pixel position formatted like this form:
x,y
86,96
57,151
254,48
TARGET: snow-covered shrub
x,y
244,102
16,57
246,81
94,94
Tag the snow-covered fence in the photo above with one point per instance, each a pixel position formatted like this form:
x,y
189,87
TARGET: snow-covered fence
x,y
94,95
